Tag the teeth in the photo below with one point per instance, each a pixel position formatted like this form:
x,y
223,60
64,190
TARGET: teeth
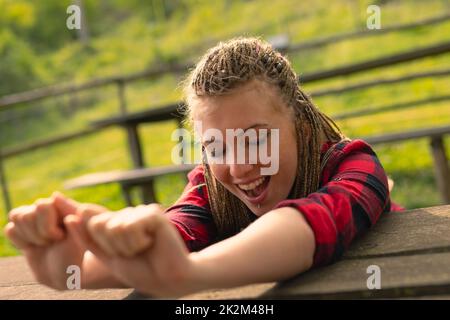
x,y
251,185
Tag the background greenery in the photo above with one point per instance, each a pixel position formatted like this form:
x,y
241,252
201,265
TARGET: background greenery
x,y
36,50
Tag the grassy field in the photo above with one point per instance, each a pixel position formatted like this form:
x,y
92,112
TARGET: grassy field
x,y
38,173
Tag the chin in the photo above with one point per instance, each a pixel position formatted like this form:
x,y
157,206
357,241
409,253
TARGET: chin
x,y
260,211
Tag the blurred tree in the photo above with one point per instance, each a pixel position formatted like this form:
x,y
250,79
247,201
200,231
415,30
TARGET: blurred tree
x,y
83,32
16,63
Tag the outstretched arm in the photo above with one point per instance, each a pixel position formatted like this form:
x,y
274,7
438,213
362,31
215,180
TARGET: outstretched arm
x,y
145,251
277,246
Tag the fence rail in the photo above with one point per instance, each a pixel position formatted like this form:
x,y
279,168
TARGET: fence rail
x,y
320,42
52,91
20,99
393,107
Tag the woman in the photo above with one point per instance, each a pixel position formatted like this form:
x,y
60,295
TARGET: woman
x,y
233,225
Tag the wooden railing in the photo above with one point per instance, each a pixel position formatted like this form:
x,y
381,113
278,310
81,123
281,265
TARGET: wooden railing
x,y
436,138
20,99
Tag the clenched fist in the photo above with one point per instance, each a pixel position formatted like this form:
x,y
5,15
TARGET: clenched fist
x,y
141,247
124,233
40,231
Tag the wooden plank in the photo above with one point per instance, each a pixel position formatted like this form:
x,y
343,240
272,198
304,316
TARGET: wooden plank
x,y
441,168
162,113
15,272
405,56
245,292
14,151
17,282
408,135
130,177
404,276
403,233
57,90
410,276
320,42
40,292
379,81
392,107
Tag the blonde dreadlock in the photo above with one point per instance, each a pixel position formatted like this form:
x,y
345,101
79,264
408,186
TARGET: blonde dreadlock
x,y
234,63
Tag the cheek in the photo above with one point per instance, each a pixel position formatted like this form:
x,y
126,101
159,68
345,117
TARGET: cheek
x,y
220,172
289,153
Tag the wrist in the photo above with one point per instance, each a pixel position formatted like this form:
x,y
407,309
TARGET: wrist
x,y
198,276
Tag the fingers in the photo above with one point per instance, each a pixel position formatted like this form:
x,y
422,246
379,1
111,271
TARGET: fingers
x,y
42,223
124,233
36,224
76,228
15,237
65,205
24,226
128,234
47,221
98,231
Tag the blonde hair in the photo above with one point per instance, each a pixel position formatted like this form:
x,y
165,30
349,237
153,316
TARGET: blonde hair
x,y
234,63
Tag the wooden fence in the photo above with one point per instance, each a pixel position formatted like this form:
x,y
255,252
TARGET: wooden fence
x,y
121,81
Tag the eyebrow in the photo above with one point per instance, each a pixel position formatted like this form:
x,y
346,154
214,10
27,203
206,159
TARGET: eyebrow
x,y
207,142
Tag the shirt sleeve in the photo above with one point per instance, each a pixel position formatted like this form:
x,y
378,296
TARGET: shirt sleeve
x,y
191,214
352,200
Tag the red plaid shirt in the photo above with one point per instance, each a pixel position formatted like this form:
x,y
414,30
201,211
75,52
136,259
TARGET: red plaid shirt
x,y
352,195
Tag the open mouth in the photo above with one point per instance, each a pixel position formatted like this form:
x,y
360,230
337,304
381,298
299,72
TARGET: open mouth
x,y
255,190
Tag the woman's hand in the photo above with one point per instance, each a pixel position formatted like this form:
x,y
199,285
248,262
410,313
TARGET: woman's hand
x,y
141,247
39,231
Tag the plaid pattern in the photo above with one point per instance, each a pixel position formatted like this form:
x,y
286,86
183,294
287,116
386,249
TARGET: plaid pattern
x,y
352,195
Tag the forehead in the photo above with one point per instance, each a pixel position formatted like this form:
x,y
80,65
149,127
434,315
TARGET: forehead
x,y
254,102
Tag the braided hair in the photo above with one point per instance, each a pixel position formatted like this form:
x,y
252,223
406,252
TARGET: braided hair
x,y
232,64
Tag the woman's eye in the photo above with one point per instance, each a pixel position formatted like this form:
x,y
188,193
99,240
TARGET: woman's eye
x,y
215,153
258,142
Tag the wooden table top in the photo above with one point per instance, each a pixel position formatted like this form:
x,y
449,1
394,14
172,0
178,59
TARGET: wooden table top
x,y
411,249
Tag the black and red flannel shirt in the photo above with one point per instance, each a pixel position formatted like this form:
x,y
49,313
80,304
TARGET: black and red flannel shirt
x,y
352,195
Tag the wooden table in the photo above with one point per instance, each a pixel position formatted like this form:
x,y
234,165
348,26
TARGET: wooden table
x,y
129,179
412,250
130,123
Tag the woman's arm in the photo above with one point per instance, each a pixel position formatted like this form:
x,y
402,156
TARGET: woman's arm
x,y
277,246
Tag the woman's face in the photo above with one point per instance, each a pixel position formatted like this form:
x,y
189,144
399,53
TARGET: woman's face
x,y
252,107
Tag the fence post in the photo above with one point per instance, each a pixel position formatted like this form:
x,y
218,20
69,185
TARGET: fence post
x,y
4,186
121,93
441,168
134,145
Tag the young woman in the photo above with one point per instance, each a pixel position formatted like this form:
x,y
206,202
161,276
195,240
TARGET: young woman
x,y
233,225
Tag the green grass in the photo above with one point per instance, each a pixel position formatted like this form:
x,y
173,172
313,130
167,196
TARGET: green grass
x,y
38,173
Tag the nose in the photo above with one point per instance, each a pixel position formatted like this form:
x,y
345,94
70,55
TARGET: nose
x,y
240,171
